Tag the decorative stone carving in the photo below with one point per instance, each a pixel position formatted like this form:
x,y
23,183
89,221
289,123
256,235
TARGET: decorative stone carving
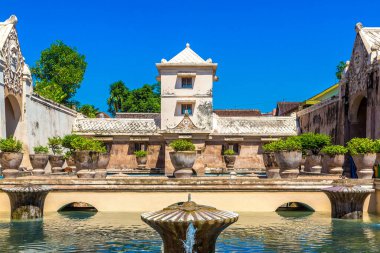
x,y
186,124
347,201
14,63
189,227
27,201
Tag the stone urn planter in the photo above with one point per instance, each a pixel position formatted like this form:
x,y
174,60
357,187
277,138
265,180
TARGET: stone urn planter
x,y
10,163
230,161
141,162
56,163
86,163
289,163
271,166
100,171
333,164
39,162
364,165
313,163
183,162
70,161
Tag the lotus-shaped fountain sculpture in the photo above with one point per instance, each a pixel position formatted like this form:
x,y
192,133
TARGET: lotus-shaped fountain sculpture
x,y
189,227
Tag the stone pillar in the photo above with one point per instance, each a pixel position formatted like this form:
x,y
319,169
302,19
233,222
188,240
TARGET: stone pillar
x,y
347,201
27,201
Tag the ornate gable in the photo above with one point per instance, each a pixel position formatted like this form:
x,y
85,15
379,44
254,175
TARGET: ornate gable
x,y
14,63
186,124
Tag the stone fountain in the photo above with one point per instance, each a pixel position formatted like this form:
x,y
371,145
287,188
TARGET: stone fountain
x,y
27,201
347,200
189,227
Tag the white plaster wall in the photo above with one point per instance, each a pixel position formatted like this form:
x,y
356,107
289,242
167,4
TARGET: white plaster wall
x,y
172,95
45,119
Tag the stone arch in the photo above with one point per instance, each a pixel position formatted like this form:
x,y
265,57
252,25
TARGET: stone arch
x,y
295,206
78,206
12,114
358,116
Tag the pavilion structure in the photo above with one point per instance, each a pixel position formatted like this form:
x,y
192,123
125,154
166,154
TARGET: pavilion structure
x,y
187,83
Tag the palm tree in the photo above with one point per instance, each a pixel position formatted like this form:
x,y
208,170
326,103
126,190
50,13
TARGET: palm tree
x,y
118,93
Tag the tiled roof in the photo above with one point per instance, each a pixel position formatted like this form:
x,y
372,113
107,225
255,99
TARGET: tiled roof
x,y
115,126
256,126
285,108
237,113
187,56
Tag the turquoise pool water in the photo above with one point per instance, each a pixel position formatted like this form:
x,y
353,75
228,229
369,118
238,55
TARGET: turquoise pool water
x,y
254,232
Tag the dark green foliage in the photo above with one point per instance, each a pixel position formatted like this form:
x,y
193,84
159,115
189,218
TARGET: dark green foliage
x,y
140,153
182,145
144,99
41,149
289,144
361,146
339,69
88,144
314,142
376,145
88,110
10,144
269,147
55,144
118,93
229,152
62,68
67,139
334,150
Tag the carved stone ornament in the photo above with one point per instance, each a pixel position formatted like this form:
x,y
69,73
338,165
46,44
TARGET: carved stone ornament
x,y
14,63
186,124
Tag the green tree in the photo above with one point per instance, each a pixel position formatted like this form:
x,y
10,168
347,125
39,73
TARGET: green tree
x,y
50,91
118,94
88,110
339,69
144,99
60,65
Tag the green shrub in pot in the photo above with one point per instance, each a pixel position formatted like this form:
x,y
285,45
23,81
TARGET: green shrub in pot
x,y
140,153
363,153
41,149
10,144
314,142
334,150
182,145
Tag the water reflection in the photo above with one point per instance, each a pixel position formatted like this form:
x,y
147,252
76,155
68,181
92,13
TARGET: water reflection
x,y
125,232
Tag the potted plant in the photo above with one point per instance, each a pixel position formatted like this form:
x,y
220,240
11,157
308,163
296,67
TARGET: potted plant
x,y
288,154
362,151
141,158
229,156
39,160
86,156
183,158
11,156
104,159
312,144
377,150
271,166
69,155
56,160
333,158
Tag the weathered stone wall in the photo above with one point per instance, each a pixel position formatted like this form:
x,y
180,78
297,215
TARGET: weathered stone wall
x,y
249,157
320,118
123,157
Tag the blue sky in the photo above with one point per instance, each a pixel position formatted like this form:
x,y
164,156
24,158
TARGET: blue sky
x,y
267,51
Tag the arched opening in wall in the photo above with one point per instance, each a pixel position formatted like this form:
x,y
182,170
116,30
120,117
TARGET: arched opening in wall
x,y
294,209
78,210
12,115
78,206
359,122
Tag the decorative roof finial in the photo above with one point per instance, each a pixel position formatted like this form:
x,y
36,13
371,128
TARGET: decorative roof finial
x,y
187,45
358,27
11,20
